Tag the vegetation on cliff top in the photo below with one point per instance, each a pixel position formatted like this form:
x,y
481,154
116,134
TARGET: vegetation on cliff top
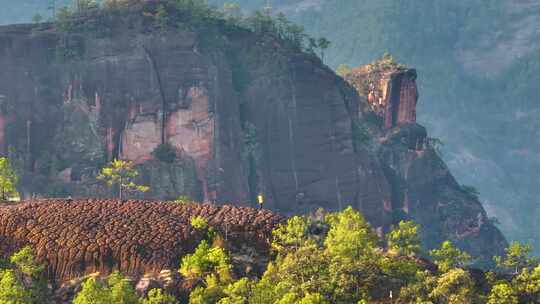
x,y
192,15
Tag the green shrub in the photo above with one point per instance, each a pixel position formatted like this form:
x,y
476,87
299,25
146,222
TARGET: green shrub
x,y
157,296
93,292
24,261
502,293
165,153
206,260
199,222
116,290
183,199
12,291
448,257
404,239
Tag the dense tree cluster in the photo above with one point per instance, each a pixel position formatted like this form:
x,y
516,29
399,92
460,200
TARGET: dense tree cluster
x,y
22,280
190,15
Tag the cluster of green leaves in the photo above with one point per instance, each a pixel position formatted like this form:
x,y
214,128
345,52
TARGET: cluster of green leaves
x,y
337,258
117,289
287,31
194,15
524,284
518,280
121,174
21,280
8,180
165,153
404,240
387,62
340,263
199,222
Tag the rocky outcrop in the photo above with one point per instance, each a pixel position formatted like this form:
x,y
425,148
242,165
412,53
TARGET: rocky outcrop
x,y
79,237
422,187
246,114
390,91
240,119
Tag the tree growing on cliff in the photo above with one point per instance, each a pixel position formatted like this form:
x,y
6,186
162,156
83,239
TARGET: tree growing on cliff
x,y
404,239
8,179
165,153
343,70
121,174
448,257
21,281
11,289
517,257
323,44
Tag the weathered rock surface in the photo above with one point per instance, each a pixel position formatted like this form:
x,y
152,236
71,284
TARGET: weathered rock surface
x,y
422,187
247,116
390,91
79,237
241,118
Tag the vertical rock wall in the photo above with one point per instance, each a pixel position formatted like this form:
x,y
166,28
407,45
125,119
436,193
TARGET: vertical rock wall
x,y
422,188
303,115
246,116
390,91
401,99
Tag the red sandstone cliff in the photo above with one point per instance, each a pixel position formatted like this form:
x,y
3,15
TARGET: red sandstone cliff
x,y
128,94
390,91
422,187
246,115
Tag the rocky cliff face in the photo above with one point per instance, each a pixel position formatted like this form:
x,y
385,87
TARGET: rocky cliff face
x,y
245,115
390,91
422,187
240,119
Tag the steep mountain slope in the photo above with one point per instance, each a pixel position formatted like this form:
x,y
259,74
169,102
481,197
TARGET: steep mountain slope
x,y
247,114
478,65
